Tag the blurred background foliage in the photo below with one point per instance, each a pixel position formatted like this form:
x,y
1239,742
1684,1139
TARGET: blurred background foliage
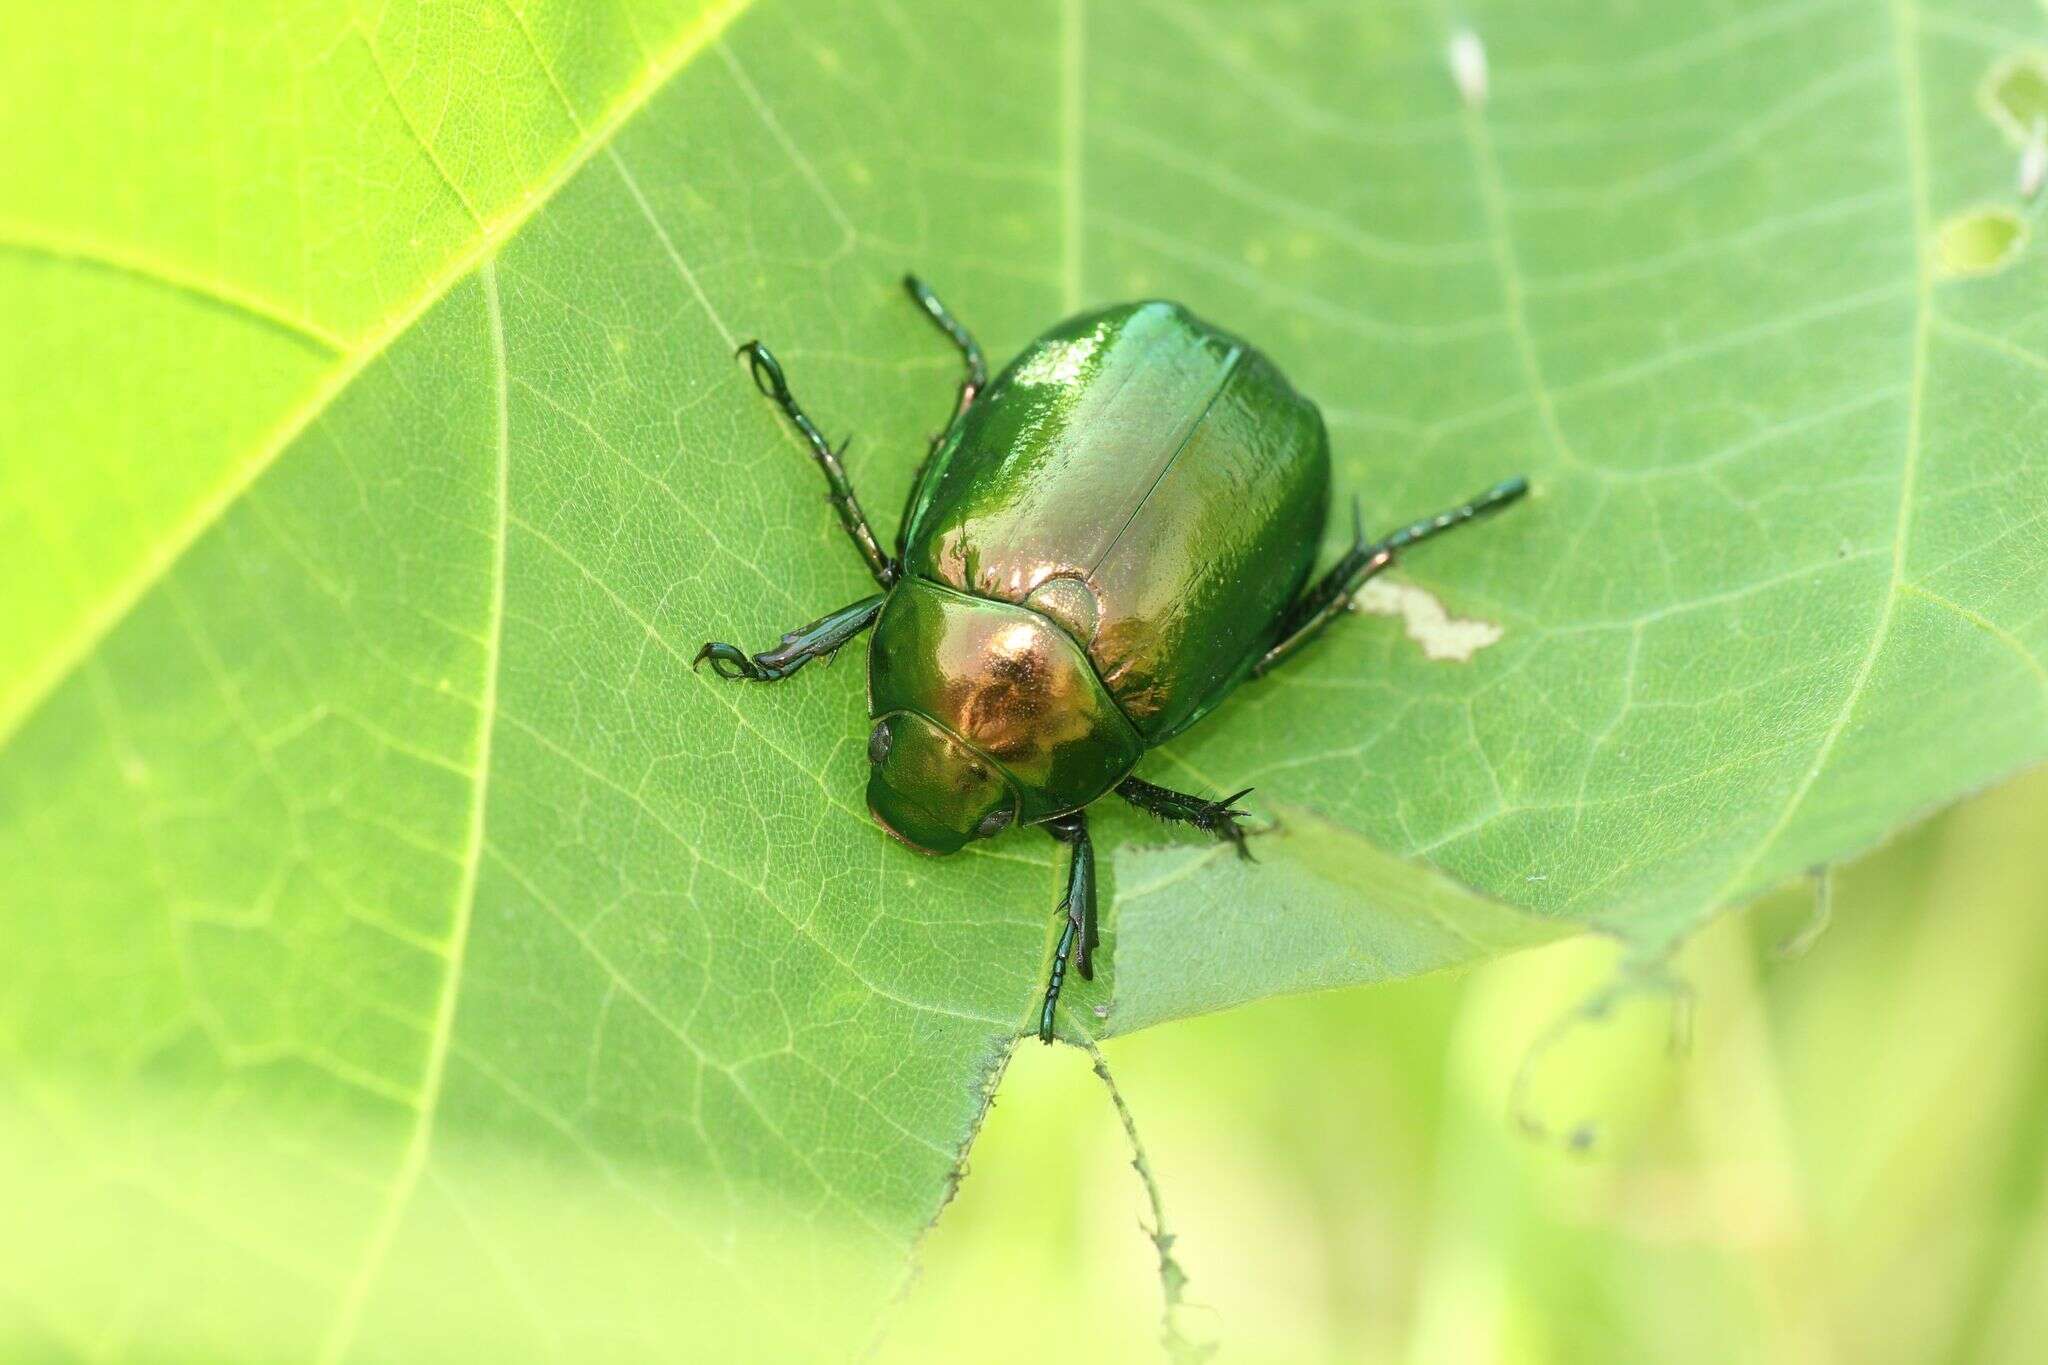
x,y
1845,1163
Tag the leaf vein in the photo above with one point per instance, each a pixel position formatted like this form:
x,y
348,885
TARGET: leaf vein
x,y
94,626
341,1332
1907,59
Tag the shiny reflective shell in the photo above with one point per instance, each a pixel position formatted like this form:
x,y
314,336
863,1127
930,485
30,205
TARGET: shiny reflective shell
x,y
1154,485
1102,547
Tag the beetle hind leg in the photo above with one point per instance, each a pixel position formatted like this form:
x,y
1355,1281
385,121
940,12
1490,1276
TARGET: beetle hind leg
x,y
1219,817
1330,596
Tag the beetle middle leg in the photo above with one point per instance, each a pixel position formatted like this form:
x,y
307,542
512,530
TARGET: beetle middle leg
x,y
769,379
1218,817
1078,939
1330,596
819,640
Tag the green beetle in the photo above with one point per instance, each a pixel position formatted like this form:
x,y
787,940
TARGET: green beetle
x,y
1100,546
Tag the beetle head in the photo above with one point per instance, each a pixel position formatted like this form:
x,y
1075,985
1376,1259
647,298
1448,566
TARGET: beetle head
x,y
929,790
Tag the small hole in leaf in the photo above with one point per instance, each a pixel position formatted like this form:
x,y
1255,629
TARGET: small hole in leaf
x,y
1468,67
1979,241
2015,94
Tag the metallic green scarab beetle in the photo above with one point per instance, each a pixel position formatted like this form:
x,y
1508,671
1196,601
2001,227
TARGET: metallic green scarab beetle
x,y
1101,545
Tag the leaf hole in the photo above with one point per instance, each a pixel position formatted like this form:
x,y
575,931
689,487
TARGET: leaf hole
x,y
2015,94
1979,241
1467,56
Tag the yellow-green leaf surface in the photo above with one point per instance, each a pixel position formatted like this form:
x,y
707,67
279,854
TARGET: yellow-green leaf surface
x,y
407,954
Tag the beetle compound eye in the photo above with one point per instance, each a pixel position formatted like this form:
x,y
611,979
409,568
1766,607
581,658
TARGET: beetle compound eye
x,y
878,743
993,823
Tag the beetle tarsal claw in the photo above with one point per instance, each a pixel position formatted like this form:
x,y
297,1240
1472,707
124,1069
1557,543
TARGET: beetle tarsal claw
x,y
1220,818
767,371
727,661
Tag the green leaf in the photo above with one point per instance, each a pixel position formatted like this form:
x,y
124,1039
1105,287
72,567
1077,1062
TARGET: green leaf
x,y
231,214
1320,872
407,950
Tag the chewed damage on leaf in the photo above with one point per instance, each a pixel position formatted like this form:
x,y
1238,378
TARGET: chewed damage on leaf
x,y
1979,241
1428,623
2015,95
1467,56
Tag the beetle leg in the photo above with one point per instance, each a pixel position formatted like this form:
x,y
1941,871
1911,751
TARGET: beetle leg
x,y
1330,596
1218,817
970,350
973,383
819,640
768,378
1078,939
1327,598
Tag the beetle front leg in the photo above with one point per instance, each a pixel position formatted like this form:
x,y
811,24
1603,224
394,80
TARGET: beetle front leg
x,y
1217,817
819,640
1330,596
768,378
1078,938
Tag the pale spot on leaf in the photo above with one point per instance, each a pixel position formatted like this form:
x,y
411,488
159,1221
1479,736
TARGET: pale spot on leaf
x,y
1441,635
1468,66
1979,241
2015,94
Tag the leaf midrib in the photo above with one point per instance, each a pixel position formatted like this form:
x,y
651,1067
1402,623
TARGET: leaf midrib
x,y
60,663
1912,113
419,1143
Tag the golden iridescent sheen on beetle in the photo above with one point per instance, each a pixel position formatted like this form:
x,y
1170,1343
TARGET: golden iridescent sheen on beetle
x,y
1102,544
